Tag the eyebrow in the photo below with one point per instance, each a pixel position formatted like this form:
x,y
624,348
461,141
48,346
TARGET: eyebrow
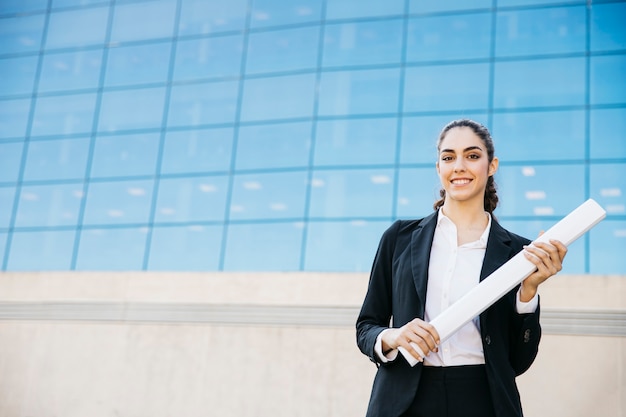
x,y
469,148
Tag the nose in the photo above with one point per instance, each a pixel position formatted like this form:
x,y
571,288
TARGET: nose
x,y
459,165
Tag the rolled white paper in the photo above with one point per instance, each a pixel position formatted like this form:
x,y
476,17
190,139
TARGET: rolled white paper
x,y
505,278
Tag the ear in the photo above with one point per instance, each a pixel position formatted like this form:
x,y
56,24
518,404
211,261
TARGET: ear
x,y
493,166
437,166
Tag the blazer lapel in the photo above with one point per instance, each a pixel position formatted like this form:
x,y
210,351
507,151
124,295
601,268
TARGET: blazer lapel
x,y
421,242
498,249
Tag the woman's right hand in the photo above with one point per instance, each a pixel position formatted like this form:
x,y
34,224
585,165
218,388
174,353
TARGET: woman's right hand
x,y
423,334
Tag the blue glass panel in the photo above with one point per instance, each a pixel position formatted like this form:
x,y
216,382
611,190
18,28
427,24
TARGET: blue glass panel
x,y
21,33
70,71
200,104
125,155
608,187
268,196
202,150
541,82
607,27
197,248
41,251
606,133
263,247
574,262
13,117
49,205
10,160
539,136
80,27
418,189
439,38
3,245
356,142
342,9
277,12
342,246
360,43
274,146
541,31
278,97
540,190
18,75
144,20
60,159
118,202
131,109
607,243
447,87
74,3
353,193
140,64
607,79
283,50
359,92
63,115
218,56
201,16
192,199
7,194
427,6
505,3
111,249
23,6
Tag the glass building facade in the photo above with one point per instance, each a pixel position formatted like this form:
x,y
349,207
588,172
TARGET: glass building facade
x,y
272,135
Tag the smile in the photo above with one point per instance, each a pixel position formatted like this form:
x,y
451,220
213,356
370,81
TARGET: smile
x,y
460,181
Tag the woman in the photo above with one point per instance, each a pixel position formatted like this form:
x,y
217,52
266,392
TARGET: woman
x,y
423,266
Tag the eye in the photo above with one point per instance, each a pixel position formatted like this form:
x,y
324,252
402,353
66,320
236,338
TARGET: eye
x,y
446,158
473,156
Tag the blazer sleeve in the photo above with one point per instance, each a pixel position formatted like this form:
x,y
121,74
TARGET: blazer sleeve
x,y
376,310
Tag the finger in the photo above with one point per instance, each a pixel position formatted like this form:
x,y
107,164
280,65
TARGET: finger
x,y
427,333
561,248
553,258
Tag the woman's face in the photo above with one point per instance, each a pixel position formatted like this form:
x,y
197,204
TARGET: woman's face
x,y
463,166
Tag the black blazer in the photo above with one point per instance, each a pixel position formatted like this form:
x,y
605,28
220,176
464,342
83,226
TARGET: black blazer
x,y
397,291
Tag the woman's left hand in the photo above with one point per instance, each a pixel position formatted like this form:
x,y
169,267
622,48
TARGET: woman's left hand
x,y
548,257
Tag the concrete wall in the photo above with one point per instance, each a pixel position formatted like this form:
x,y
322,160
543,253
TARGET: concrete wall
x,y
185,344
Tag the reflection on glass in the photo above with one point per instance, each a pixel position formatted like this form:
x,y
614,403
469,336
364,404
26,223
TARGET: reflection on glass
x,y
67,71
74,28
18,75
143,20
277,12
418,189
137,64
120,249
63,115
218,56
59,159
131,109
202,16
54,250
49,205
608,240
197,248
201,104
191,199
118,202
608,187
342,9
125,155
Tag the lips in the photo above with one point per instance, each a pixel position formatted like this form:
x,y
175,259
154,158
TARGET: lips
x,y
461,181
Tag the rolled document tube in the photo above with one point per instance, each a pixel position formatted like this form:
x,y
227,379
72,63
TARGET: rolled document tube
x,y
514,271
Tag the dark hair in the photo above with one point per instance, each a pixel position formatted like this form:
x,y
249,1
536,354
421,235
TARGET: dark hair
x,y
491,197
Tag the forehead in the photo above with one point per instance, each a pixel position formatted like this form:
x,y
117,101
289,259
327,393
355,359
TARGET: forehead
x,y
460,138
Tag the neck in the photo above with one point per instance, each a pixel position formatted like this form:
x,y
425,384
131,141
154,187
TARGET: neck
x,y
466,216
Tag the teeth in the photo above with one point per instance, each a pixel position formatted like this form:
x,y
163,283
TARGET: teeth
x,y
460,181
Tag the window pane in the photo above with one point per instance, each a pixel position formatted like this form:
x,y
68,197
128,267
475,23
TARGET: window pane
x,y
342,246
18,75
191,199
80,27
63,115
268,196
118,202
442,38
218,56
21,34
342,9
353,193
41,251
80,3
10,159
418,189
144,20
60,159
278,97
447,87
607,79
111,249
505,3
277,12
201,16
7,194
283,50
13,117
274,146
607,127
608,187
607,27
141,64
49,205
359,92
186,248
131,109
356,142
363,43
539,135
607,243
263,247
542,82
541,31
125,155
202,150
426,6
201,104
70,71
22,6
541,190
